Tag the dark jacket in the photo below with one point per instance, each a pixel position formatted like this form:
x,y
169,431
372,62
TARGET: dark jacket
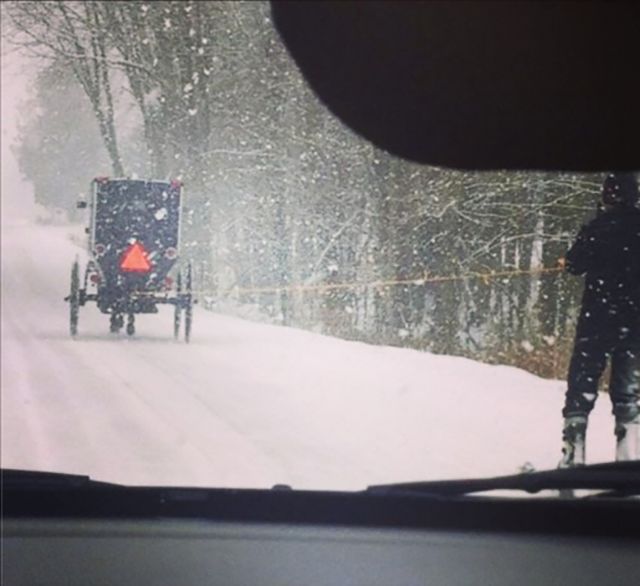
x,y
607,251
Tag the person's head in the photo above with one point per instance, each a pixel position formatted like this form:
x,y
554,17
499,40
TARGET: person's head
x,y
620,189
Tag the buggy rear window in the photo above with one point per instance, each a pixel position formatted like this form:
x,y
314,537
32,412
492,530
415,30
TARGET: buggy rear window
x,y
137,210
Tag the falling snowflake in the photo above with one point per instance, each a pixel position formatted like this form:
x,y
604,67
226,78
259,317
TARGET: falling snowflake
x,y
527,346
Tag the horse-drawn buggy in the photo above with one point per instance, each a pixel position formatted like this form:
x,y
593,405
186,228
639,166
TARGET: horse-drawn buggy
x,y
134,233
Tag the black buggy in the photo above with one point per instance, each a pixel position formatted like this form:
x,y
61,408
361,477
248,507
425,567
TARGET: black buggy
x,y
134,235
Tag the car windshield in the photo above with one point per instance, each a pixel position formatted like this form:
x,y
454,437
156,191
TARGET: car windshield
x,y
309,309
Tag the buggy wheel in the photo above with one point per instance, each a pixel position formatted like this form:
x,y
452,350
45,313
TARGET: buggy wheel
x,y
177,307
188,311
74,299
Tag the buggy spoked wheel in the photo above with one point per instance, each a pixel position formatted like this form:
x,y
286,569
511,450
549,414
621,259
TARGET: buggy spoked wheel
x,y
183,301
74,299
188,310
177,307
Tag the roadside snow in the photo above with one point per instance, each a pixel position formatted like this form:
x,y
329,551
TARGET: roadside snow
x,y
247,404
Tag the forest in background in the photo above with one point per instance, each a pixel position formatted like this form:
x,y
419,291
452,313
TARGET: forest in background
x,y
289,216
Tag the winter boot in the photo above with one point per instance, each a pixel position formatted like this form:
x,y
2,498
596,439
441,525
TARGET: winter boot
x,y
628,439
573,436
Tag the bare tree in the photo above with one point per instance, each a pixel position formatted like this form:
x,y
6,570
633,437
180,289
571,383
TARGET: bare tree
x,y
73,33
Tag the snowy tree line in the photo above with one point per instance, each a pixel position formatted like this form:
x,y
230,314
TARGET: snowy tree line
x,y
286,210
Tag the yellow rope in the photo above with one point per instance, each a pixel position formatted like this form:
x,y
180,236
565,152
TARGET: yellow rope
x,y
415,281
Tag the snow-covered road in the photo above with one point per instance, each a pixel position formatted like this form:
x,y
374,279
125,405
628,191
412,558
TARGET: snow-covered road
x,y
247,404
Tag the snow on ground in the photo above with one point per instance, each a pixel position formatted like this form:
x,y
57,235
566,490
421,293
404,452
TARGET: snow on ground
x,y
246,404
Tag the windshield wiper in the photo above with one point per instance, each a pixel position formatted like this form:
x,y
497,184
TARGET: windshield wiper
x,y
23,479
621,478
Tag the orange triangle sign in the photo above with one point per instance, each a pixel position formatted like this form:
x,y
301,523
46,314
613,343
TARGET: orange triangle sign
x,y
135,259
